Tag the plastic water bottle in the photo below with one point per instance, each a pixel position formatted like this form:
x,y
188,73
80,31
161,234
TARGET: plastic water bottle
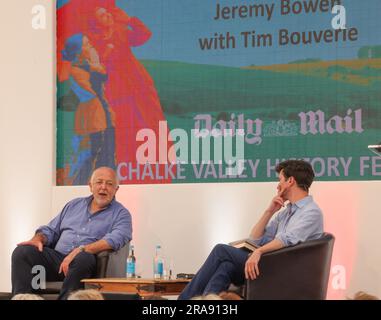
x,y
158,264
131,264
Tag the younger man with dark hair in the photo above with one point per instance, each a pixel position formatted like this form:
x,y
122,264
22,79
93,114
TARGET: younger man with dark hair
x,y
301,220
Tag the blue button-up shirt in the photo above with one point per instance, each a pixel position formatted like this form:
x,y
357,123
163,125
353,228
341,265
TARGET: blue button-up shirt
x,y
76,226
298,222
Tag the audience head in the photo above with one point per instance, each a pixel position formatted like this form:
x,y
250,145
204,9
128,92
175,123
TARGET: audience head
x,y
361,295
89,294
154,297
27,296
210,296
230,295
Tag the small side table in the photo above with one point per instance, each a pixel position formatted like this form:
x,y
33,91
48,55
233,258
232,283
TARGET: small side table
x,y
143,287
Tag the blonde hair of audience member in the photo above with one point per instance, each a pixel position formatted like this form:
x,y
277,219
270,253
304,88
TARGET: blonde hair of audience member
x,y
361,295
154,297
210,296
27,296
228,295
89,294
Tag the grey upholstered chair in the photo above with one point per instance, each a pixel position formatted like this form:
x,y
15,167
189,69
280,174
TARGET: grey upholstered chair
x,y
300,272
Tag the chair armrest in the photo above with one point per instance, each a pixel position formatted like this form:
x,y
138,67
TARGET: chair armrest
x,y
102,262
116,267
112,264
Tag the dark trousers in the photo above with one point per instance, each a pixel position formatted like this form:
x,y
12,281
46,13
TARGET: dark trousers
x,y
25,258
224,265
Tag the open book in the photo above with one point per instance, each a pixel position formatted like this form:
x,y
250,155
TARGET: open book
x,y
247,244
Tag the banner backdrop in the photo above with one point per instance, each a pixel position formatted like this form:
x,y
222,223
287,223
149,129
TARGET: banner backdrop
x,y
175,91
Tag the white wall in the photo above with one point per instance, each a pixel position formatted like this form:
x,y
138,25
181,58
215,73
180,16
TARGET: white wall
x,y
26,126
186,219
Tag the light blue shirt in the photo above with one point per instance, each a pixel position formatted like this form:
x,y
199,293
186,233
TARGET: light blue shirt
x,y
296,223
76,226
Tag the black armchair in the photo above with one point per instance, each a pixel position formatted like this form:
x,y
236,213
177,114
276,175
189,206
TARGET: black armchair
x,y
110,264
300,272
